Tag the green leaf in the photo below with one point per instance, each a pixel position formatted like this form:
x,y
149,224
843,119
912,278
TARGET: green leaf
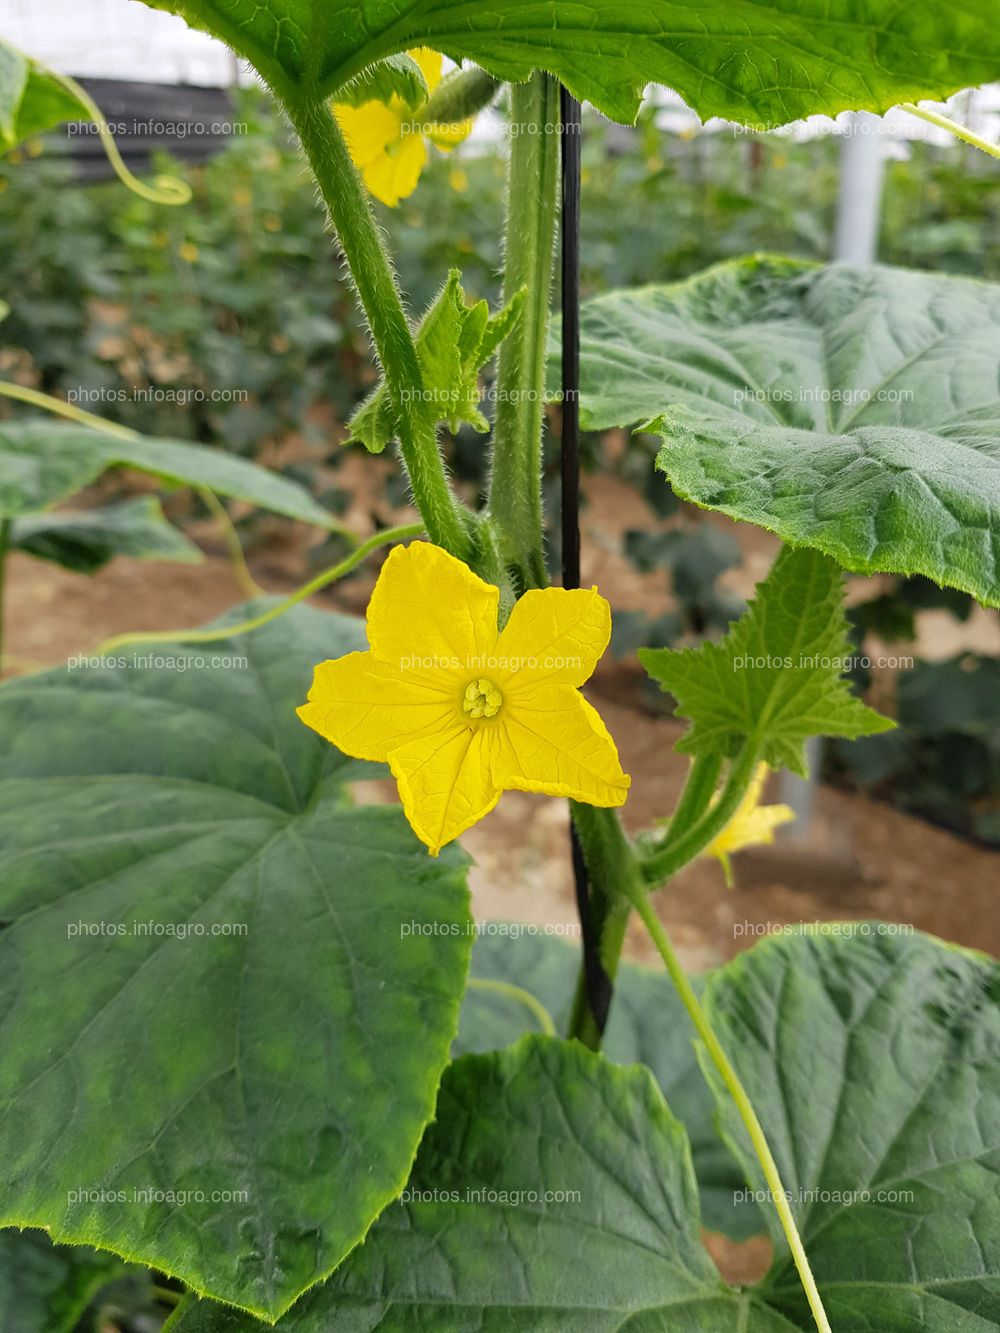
x,y
31,99
475,1244
766,61
872,1057
13,81
87,540
46,1288
397,76
853,410
647,1025
454,342
777,677
42,463
290,1060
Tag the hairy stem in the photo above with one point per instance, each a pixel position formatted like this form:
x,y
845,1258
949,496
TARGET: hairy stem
x,y
684,844
245,626
446,522
743,1104
611,867
953,127
515,495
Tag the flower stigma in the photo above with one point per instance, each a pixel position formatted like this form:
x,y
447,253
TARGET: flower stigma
x,y
482,699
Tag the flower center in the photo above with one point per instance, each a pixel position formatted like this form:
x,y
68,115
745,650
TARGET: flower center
x,y
482,699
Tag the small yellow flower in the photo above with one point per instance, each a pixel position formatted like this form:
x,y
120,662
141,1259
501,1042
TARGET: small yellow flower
x,y
386,139
458,180
753,824
461,711
188,251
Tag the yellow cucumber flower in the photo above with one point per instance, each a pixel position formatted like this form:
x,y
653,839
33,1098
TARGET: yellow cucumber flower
x,y
461,711
386,139
752,824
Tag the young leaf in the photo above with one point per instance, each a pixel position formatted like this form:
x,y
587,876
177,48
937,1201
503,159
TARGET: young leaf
x,y
42,462
257,982
87,540
454,342
853,410
873,1059
777,677
398,76
759,61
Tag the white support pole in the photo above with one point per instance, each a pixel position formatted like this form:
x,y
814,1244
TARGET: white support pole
x,y
855,242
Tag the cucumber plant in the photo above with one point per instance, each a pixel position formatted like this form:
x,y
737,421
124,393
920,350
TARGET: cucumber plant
x,y
290,1094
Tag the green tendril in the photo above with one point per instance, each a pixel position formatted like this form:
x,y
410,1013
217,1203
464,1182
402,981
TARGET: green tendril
x,y
168,190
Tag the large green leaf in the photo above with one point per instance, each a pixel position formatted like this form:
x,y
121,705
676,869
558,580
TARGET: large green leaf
x,y
87,539
873,1060
479,1243
853,410
31,99
648,1025
777,677
45,1288
217,976
42,462
766,61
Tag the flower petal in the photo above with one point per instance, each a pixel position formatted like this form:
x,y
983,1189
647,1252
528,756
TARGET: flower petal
x,y
368,709
369,130
447,137
556,632
429,62
445,782
752,824
555,742
393,175
430,613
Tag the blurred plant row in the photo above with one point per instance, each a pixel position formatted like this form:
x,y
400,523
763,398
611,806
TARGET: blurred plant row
x,y
230,322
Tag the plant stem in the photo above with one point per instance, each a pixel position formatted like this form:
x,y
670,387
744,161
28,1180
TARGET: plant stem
x,y
611,866
702,778
231,541
314,585
6,528
681,847
748,1115
446,521
515,494
953,127
511,992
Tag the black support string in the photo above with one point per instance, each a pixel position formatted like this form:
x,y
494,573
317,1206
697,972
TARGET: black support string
x,y
596,980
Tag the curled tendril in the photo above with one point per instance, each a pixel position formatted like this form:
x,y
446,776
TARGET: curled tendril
x,y
170,190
